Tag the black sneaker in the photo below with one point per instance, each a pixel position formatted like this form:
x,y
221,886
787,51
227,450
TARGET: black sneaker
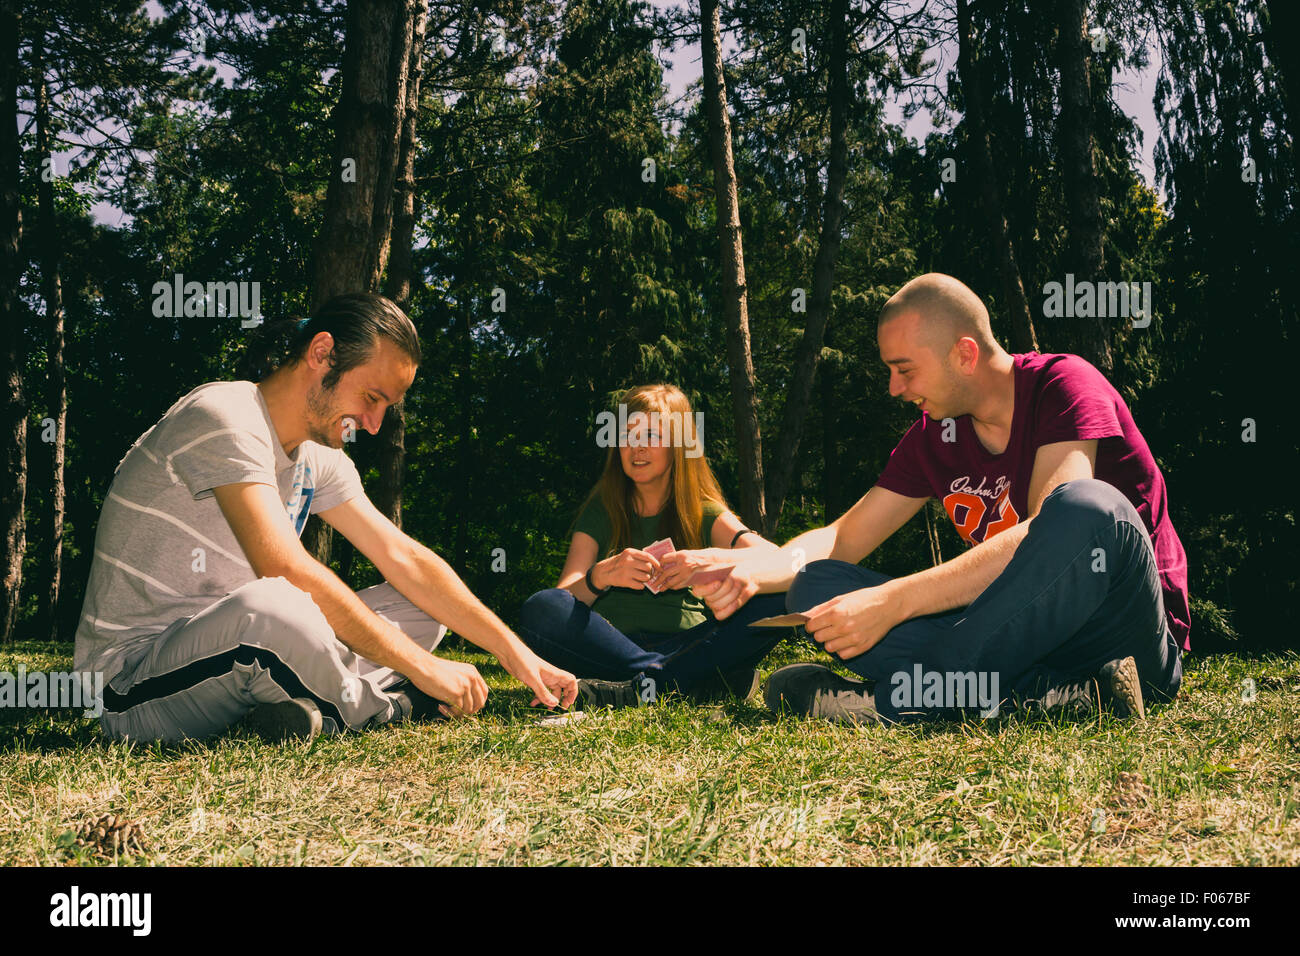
x,y
295,719
411,703
1075,700
617,694
811,690
742,684
1117,688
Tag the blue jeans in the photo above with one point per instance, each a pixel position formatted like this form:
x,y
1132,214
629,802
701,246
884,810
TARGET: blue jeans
x,y
569,634
1082,589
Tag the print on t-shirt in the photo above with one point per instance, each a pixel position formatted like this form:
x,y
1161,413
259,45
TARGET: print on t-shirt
x,y
299,503
979,512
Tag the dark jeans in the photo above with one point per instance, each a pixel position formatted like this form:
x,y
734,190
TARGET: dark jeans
x,y
1082,589
569,634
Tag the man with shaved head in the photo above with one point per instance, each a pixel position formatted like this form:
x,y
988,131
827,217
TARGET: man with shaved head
x,y
1073,592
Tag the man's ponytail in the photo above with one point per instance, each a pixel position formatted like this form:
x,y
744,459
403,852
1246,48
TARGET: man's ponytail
x,y
355,320
271,346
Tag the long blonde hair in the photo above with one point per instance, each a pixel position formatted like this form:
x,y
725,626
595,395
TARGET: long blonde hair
x,y
692,481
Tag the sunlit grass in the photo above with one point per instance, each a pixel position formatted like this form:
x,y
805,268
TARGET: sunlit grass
x,y
1210,779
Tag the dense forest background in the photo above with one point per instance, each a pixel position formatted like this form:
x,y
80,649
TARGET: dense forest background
x,y
560,228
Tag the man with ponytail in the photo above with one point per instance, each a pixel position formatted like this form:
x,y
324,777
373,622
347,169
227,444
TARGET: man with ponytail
x,y
203,608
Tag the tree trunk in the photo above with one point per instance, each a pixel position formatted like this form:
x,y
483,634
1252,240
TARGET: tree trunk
x,y
799,396
932,533
812,192
1089,337
52,291
353,244
744,391
465,458
989,190
1280,45
13,531
391,452
831,479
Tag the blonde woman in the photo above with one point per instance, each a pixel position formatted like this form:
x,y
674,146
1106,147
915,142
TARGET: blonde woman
x,y
623,618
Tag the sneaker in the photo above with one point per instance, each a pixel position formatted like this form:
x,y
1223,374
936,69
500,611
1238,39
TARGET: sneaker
x,y
295,719
811,690
411,703
1117,687
742,684
617,694
1121,684
1076,700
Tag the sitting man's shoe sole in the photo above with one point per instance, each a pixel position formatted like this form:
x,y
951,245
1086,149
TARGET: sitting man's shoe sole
x,y
811,690
1122,688
295,719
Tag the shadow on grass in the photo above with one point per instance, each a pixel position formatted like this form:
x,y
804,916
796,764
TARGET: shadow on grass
x,y
47,730
52,730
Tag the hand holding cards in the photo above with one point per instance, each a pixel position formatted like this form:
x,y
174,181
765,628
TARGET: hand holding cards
x,y
708,577
724,589
657,551
631,568
661,549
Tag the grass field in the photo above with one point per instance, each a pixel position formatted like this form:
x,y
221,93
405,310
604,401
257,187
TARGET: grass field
x,y
1210,779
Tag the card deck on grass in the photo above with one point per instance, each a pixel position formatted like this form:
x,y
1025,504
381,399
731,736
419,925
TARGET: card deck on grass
x,y
561,720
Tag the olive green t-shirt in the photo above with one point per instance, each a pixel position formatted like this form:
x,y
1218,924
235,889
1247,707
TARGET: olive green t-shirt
x,y
637,610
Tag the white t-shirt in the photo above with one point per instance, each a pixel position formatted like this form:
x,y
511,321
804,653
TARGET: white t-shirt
x,y
163,549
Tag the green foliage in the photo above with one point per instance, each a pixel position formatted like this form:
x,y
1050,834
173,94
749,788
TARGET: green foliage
x,y
532,179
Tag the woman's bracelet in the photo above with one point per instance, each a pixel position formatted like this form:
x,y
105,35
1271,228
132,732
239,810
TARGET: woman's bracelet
x,y
591,584
737,537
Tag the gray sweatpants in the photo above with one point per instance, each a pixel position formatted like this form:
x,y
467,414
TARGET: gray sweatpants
x,y
262,643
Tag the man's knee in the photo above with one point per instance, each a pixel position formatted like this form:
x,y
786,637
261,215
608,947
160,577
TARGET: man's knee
x,y
547,610
279,612
1089,501
819,581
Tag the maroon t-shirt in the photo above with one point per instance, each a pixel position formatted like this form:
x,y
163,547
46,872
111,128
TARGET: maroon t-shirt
x,y
1058,398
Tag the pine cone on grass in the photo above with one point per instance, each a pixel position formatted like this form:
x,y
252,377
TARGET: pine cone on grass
x,y
111,834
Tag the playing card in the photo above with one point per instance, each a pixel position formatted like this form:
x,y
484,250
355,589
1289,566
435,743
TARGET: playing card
x,y
781,620
658,549
707,577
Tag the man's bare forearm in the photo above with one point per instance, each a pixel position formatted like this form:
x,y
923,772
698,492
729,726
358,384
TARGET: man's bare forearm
x,y
958,582
431,585
773,571
353,623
